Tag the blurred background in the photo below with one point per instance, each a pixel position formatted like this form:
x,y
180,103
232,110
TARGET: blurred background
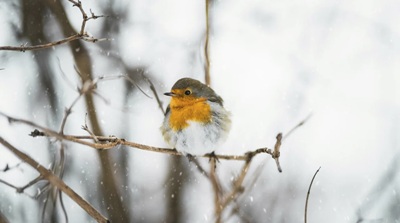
x,y
273,62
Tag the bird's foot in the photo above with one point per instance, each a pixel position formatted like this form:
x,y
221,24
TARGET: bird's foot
x,y
212,156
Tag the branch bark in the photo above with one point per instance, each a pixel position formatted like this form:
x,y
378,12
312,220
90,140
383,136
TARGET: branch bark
x,y
55,181
308,195
206,46
81,35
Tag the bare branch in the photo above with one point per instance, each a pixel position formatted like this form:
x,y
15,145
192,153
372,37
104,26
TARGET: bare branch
x,y
7,167
216,185
153,89
308,195
55,181
221,199
277,152
206,47
9,185
297,126
62,165
109,142
86,128
81,35
199,167
237,189
23,47
3,218
136,85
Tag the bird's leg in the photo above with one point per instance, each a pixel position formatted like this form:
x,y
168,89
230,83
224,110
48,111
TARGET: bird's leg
x,y
212,156
190,157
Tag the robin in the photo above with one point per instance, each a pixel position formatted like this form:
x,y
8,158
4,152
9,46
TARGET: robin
x,y
196,121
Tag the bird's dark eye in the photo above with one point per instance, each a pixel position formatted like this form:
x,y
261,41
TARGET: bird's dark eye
x,y
188,92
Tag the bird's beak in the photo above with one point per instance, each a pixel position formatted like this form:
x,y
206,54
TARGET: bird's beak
x,y
170,94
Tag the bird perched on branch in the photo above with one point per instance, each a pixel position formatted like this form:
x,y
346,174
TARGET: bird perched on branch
x,y
195,122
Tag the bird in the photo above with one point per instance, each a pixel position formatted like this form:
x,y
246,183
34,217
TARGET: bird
x,y
195,121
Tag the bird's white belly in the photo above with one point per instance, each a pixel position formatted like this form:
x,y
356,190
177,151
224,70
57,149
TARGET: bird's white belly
x,y
199,139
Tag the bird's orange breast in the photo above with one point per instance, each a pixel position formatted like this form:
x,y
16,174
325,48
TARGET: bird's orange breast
x,y
188,109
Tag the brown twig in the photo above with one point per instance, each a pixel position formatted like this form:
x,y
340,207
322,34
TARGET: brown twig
x,y
86,88
206,47
308,195
153,89
237,188
55,181
199,167
237,185
3,218
277,152
9,185
133,83
109,142
104,142
297,126
7,167
216,185
81,35
86,128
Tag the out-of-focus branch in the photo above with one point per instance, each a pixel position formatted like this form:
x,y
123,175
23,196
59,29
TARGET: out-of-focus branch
x,y
81,35
308,195
297,126
153,89
206,47
87,86
238,183
7,167
237,189
55,181
3,218
216,185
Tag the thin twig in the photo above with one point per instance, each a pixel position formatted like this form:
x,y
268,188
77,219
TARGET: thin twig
x,y
277,152
8,168
9,185
206,47
21,190
81,35
88,86
24,48
153,89
308,195
3,219
199,167
31,183
216,185
86,128
104,142
55,181
136,85
297,126
109,142
237,188
62,168
67,112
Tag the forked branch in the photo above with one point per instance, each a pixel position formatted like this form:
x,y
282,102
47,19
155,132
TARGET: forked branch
x,y
82,34
55,181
